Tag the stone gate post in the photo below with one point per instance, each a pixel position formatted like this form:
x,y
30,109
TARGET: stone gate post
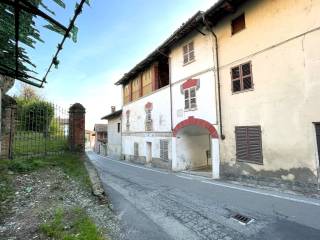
x,y
77,128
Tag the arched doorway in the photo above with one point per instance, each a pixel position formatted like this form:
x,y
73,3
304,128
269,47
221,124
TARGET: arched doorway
x,y
195,146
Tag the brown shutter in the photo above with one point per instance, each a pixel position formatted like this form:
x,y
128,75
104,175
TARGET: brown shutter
x,y
241,143
249,144
255,144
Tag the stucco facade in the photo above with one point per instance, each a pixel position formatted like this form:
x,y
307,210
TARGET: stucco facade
x,y
114,137
281,40
262,103
147,141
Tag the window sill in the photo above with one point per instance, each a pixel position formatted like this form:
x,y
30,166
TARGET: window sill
x,y
185,64
250,162
190,109
243,91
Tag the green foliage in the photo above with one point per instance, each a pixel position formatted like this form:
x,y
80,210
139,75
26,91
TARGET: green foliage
x,y
71,224
6,188
28,34
35,115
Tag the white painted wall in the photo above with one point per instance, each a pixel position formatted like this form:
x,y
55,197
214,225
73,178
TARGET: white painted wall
x,y
160,114
114,137
128,144
203,56
191,151
206,98
201,68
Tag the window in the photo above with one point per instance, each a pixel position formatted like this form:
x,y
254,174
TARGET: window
x,y
188,53
136,149
241,77
238,24
164,150
148,122
190,101
128,121
119,127
249,144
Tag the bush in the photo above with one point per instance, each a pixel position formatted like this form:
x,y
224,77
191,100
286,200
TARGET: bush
x,y
34,115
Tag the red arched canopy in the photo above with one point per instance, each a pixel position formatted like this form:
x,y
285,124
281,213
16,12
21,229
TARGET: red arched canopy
x,y
191,121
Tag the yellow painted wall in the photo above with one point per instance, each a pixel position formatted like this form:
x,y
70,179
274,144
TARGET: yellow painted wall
x,y
285,100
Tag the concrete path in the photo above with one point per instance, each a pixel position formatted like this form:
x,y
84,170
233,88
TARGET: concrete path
x,y
156,204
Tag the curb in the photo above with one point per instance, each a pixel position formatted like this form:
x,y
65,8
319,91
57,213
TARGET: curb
x,y
96,183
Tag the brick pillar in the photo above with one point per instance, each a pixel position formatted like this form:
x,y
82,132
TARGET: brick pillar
x,y
8,130
77,128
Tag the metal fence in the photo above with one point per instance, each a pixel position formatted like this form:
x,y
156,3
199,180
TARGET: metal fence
x,y
35,130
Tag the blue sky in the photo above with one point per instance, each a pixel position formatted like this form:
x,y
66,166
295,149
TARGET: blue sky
x,y
113,37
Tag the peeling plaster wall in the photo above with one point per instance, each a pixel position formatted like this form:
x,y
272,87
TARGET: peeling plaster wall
x,y
285,100
160,114
161,127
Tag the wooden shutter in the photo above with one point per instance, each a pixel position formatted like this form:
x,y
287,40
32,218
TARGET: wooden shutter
x,y
238,24
164,144
136,149
249,144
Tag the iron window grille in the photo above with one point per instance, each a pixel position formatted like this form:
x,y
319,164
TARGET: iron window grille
x,y
249,144
164,153
188,53
241,77
190,99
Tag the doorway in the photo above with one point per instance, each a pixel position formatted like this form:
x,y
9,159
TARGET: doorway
x,y
149,152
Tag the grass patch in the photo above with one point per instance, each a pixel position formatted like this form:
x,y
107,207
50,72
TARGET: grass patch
x,y
32,143
71,224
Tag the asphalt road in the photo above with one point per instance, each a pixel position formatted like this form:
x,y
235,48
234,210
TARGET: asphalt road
x,y
156,204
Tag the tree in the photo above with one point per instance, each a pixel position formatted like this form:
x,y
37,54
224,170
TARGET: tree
x,y
17,25
28,93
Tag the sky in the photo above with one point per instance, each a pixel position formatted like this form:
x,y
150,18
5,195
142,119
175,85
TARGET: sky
x,y
113,37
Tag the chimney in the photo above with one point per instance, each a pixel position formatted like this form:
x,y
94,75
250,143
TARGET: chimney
x,y
113,109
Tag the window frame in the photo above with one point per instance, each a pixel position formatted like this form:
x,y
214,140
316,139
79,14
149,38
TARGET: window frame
x,y
233,32
189,98
119,127
241,77
187,53
247,146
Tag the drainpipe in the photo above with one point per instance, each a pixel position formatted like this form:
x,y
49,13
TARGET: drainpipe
x,y
216,59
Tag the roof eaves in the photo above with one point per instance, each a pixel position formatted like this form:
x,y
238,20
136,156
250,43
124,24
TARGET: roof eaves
x,y
112,115
183,30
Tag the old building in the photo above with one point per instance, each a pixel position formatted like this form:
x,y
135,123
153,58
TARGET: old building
x,y
235,89
269,63
101,138
114,133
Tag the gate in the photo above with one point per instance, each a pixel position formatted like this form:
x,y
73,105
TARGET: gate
x,y
35,130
